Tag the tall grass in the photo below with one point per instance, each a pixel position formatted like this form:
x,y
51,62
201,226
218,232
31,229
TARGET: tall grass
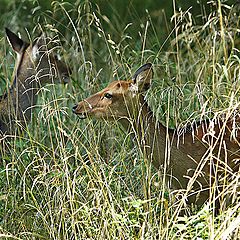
x,y
65,178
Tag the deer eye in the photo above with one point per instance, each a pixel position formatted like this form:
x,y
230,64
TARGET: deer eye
x,y
108,95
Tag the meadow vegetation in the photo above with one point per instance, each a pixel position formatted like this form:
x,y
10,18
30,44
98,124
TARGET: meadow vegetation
x,y
67,178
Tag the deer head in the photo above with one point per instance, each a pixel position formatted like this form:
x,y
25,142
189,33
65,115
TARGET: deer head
x,y
120,99
35,62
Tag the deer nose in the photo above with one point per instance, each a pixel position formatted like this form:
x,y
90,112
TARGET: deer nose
x,y
74,108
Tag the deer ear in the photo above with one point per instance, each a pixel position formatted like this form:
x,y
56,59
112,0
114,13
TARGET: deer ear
x,y
143,77
17,44
39,45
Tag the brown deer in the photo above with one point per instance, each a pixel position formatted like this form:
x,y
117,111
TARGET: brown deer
x,y
35,66
194,161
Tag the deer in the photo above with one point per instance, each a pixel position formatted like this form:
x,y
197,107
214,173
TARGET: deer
x,y
193,158
35,66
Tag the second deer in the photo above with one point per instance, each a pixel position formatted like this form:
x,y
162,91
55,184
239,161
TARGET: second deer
x,y
36,65
194,163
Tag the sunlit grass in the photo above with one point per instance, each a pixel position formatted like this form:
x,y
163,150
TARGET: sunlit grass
x,y
65,178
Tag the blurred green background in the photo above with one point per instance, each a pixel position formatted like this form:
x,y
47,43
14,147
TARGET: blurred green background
x,y
29,13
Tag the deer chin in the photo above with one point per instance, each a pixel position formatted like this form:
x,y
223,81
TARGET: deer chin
x,y
82,115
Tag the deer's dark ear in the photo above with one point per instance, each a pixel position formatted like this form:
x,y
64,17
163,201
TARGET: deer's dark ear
x,y
143,77
17,43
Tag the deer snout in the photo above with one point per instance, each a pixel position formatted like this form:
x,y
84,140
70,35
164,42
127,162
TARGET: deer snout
x,y
74,108
79,110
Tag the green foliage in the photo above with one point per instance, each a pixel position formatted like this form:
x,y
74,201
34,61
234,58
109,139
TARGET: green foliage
x,y
70,179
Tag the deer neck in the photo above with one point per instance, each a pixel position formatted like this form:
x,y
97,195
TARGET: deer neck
x,y
151,136
23,92
161,146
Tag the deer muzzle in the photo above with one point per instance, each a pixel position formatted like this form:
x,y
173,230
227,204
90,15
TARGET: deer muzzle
x,y
81,109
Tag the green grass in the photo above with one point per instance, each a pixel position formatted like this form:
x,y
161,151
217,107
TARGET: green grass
x,y
66,178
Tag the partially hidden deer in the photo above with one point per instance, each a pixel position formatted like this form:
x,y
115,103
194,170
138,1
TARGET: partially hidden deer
x,y
35,66
194,161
